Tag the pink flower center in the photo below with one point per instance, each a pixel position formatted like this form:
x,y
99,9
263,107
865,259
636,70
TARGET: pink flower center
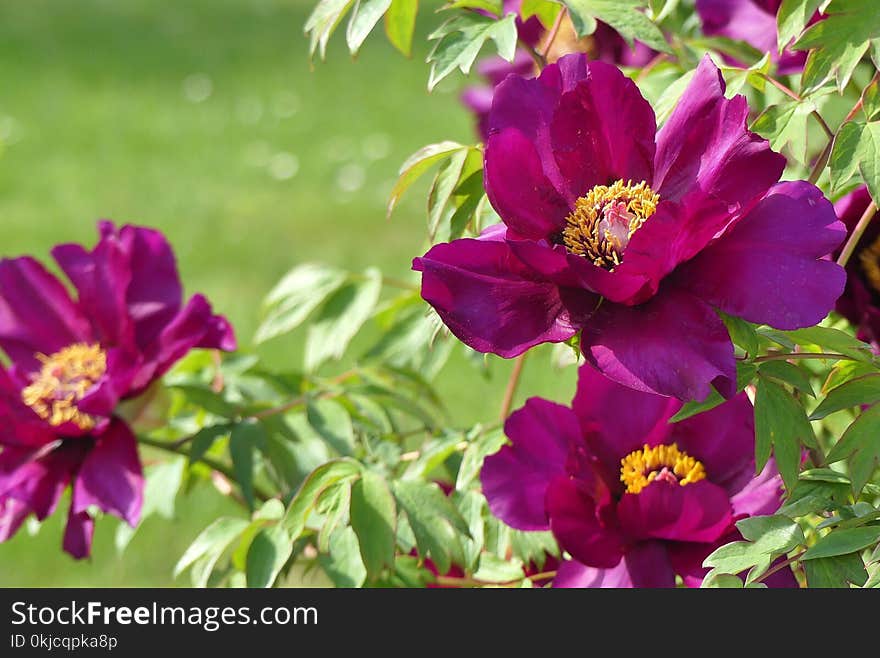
x,y
603,221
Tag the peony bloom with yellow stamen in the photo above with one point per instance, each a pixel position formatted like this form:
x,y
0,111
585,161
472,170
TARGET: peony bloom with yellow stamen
x,y
633,499
73,360
634,238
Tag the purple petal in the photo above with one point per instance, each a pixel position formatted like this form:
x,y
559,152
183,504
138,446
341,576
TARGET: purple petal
x,y
723,439
648,565
515,479
111,477
769,267
39,477
552,138
36,313
22,426
760,495
616,419
12,515
673,345
78,534
573,574
101,278
574,522
705,145
491,300
699,511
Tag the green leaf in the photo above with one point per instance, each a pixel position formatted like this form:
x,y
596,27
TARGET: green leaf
x,y
433,520
786,123
204,439
670,97
860,442
871,100
318,480
780,422
343,564
162,482
767,537
829,339
721,581
742,333
374,520
792,18
837,572
206,399
841,542
400,23
623,15
493,569
323,21
268,554
293,298
416,165
472,506
788,373
244,439
838,42
844,160
460,39
333,423
210,544
869,158
474,455
855,392
340,318
363,19
545,10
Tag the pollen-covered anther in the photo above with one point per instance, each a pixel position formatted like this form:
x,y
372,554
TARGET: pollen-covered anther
x,y
64,379
603,221
665,463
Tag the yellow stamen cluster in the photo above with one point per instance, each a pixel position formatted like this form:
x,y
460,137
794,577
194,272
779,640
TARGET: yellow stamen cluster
x,y
64,379
588,231
641,467
869,257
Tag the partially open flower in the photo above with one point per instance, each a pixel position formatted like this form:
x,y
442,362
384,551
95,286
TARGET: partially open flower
x,y
751,21
860,302
605,44
633,499
634,236
73,360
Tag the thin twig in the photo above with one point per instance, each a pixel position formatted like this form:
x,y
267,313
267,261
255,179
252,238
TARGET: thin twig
x,y
785,356
657,59
512,383
791,94
780,566
554,31
856,235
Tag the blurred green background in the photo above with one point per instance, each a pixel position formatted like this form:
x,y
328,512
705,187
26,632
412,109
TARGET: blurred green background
x,y
203,118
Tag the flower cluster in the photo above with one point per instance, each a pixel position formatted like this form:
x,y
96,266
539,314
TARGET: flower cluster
x,y
633,499
73,360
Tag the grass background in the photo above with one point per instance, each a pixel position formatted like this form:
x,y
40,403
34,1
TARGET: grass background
x,y
203,118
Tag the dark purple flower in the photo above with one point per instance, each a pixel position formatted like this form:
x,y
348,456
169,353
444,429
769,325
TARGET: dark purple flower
x,y
634,236
73,360
633,499
752,21
860,302
605,44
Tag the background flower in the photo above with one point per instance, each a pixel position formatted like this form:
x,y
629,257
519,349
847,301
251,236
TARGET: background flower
x,y
72,360
633,235
635,500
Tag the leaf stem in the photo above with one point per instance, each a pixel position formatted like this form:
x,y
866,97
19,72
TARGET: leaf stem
x,y
512,384
856,235
791,94
780,566
554,32
784,356
213,464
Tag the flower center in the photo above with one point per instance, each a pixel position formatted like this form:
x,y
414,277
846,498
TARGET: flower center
x,y
603,221
64,379
869,257
664,462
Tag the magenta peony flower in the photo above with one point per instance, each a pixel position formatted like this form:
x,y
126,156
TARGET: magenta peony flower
x,y
72,361
860,302
605,44
633,499
752,21
634,236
